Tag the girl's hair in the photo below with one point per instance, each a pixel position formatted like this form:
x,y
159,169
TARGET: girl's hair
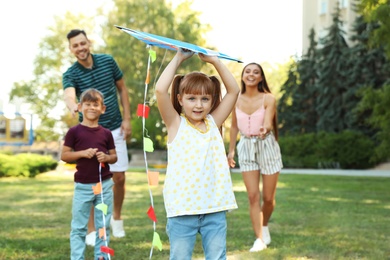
x,y
196,83
262,87
92,95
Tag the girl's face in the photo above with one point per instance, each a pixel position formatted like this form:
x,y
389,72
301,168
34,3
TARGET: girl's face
x,y
252,75
195,107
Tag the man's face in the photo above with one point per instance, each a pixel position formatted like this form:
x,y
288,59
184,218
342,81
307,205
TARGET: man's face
x,y
79,46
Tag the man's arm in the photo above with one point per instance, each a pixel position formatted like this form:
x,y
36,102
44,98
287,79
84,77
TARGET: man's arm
x,y
124,99
70,100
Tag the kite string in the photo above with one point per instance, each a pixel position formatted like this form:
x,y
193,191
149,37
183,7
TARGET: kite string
x,y
152,100
144,131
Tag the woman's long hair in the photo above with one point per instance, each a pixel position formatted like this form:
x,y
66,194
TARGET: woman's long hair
x,y
263,88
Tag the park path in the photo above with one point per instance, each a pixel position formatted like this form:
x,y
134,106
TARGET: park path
x,y
382,170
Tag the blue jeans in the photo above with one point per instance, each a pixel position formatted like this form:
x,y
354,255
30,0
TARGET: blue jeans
x,y
182,231
83,199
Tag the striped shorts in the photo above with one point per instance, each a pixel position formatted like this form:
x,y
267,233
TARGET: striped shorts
x,y
256,154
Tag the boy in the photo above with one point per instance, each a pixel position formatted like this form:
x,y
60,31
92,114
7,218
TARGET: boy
x,y
91,146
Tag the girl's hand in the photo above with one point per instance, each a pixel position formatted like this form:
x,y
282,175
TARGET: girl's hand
x,y
231,161
184,54
208,58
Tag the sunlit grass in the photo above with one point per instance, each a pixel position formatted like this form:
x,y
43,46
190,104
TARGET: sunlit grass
x,y
316,217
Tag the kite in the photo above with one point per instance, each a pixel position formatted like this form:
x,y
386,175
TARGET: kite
x,y
171,44
143,110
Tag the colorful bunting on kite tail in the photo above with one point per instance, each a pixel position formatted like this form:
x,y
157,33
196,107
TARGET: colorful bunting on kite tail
x,y
143,111
103,208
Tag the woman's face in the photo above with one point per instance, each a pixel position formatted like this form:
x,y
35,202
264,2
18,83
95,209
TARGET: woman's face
x,y
252,75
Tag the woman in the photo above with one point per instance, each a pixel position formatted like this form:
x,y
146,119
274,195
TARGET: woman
x,y
254,116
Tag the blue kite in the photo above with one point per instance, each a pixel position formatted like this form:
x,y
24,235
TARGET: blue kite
x,y
171,44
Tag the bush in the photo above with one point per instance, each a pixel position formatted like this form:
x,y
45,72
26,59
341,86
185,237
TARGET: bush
x,y
25,165
346,150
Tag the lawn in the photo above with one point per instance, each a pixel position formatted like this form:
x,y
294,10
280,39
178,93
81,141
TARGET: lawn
x,y
316,217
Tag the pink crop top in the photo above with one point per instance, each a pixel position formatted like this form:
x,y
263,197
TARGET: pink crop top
x,y
249,125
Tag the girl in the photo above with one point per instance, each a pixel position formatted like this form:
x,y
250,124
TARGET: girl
x,y
197,189
258,150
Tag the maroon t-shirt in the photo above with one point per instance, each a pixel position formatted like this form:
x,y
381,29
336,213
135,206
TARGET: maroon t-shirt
x,y
81,137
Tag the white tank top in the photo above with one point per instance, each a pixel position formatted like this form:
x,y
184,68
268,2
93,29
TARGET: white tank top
x,y
198,178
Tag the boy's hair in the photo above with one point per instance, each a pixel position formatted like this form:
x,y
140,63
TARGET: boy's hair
x,y
91,95
75,32
196,83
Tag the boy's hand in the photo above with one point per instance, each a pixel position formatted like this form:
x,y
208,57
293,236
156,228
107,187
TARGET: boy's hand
x,y
102,157
89,153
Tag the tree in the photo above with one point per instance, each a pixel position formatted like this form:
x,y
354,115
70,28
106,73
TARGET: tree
x,y
369,70
44,92
332,88
377,11
297,106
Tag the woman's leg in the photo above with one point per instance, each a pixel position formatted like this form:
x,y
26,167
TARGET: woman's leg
x,y
251,181
269,192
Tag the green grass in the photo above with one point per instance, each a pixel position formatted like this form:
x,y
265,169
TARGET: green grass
x,y
316,217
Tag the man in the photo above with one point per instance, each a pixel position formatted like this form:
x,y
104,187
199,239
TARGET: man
x,y
100,71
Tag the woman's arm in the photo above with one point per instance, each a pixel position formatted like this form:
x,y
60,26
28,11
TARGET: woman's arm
x,y
270,110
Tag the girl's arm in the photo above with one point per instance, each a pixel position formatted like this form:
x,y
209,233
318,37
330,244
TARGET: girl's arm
x,y
233,139
232,90
168,113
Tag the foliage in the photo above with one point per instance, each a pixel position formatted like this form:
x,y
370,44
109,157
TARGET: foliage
x,y
44,93
333,91
378,101
155,17
345,150
316,217
299,151
297,107
324,89
378,11
25,165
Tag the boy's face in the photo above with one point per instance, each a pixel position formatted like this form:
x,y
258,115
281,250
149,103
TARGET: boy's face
x,y
92,110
